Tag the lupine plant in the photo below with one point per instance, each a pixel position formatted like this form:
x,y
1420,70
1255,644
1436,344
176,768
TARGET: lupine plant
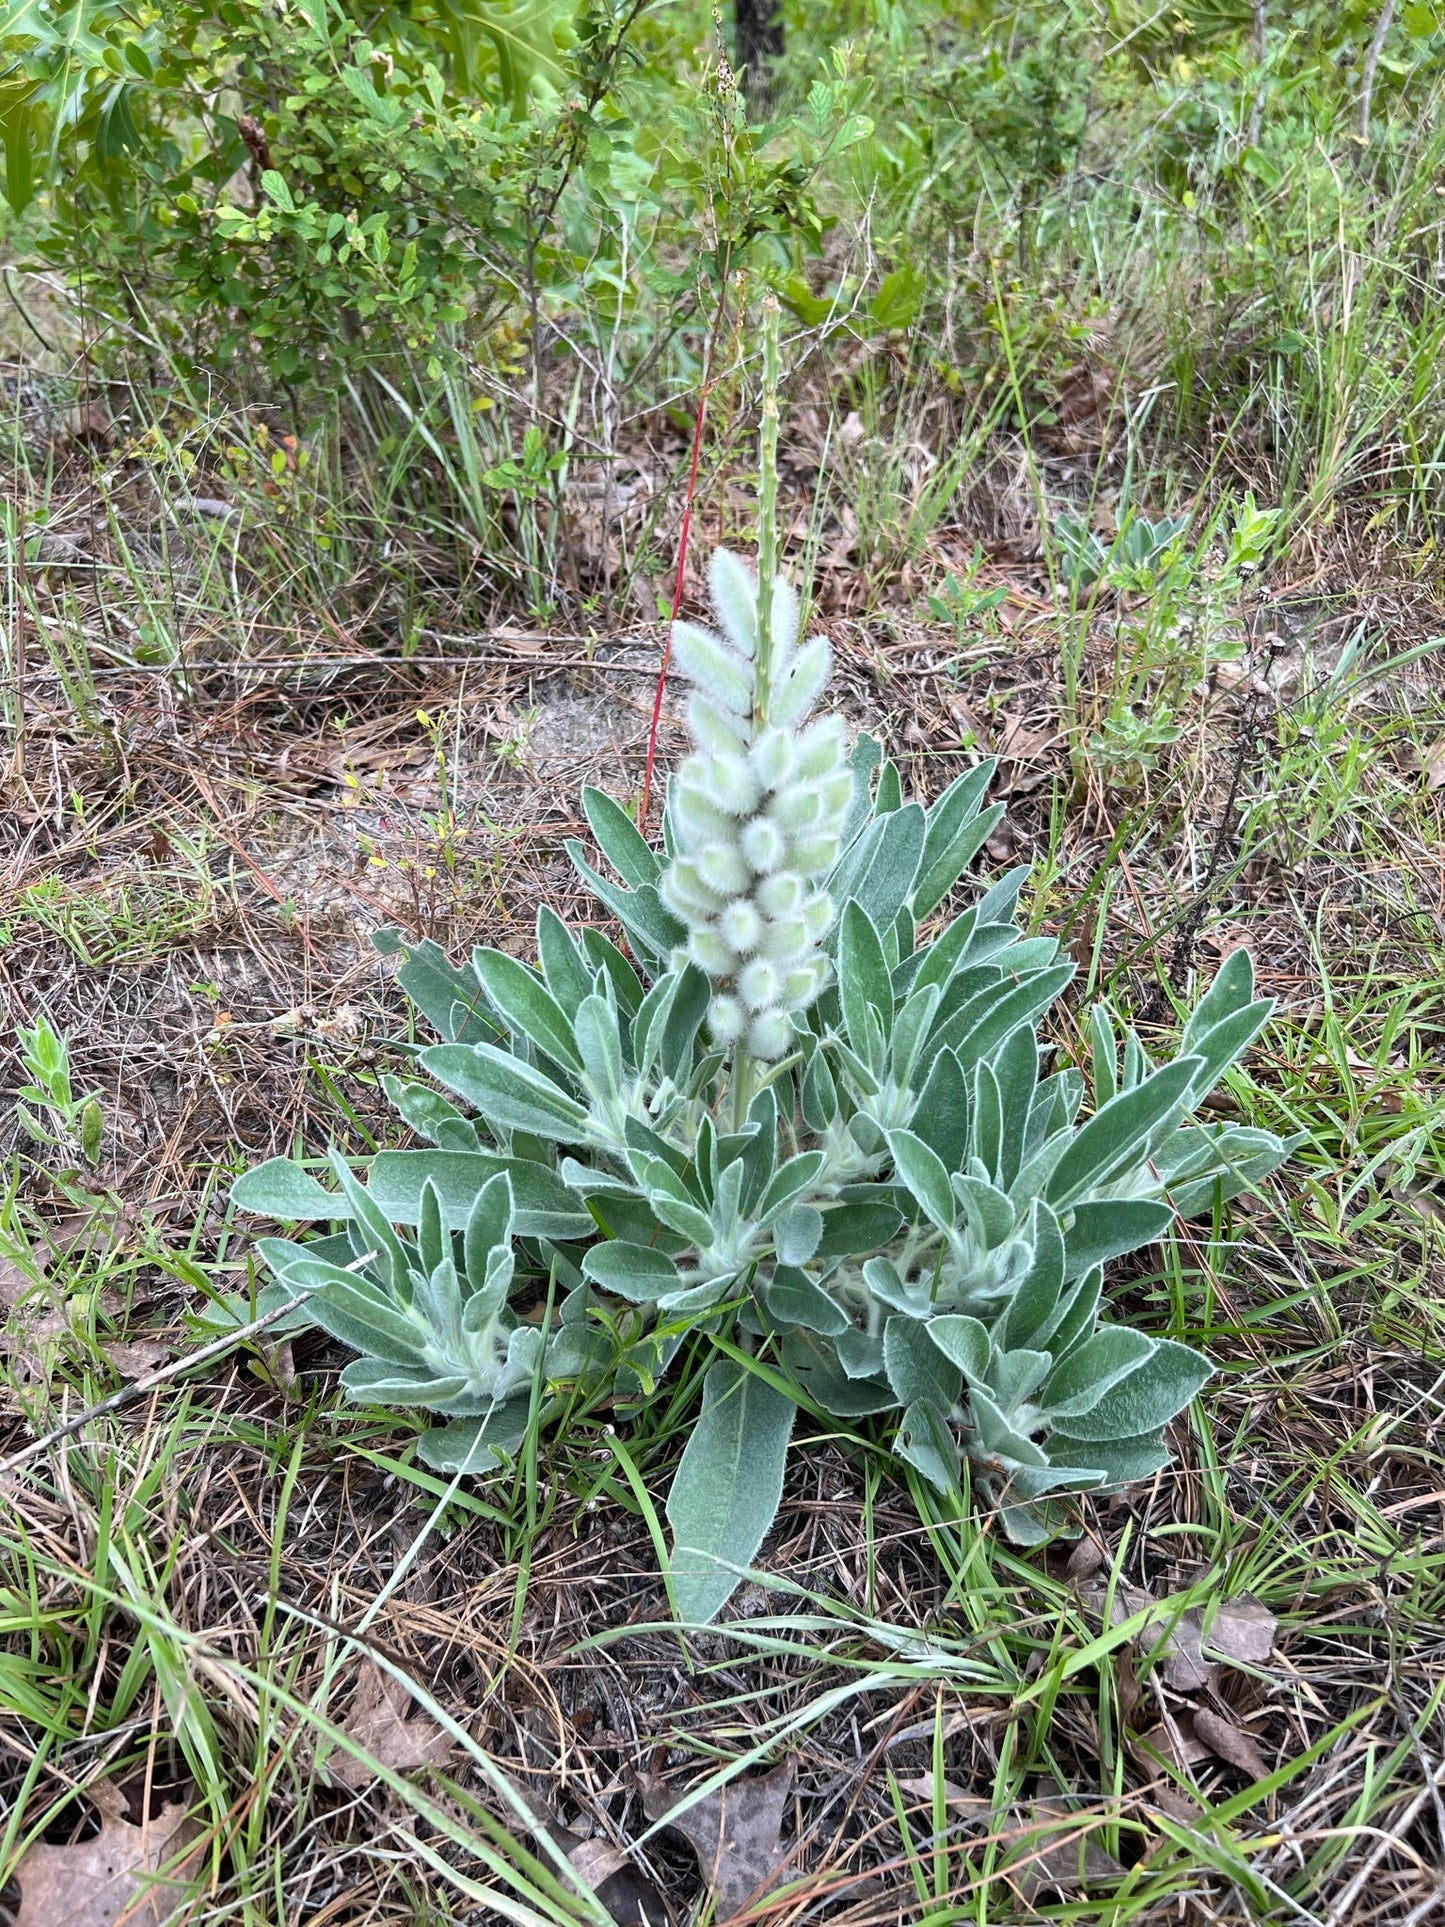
x,y
802,1120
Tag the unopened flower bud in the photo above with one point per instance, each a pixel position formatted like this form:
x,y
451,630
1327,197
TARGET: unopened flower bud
x,y
741,926
760,984
763,845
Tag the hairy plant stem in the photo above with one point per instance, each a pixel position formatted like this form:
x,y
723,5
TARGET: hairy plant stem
x,y
744,1082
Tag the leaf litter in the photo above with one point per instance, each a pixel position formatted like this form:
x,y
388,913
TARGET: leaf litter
x,y
384,1732
736,1833
125,1873
1193,1649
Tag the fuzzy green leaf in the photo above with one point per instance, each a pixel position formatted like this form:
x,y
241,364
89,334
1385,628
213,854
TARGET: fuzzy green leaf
x,y
511,1095
1155,1392
727,1487
638,1272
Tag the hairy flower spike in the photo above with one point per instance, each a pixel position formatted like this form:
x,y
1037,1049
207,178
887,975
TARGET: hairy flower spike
x,y
756,812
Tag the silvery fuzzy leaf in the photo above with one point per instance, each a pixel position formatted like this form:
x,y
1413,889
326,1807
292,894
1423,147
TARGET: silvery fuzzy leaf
x,y
864,982
990,1015
820,1093
489,1225
1013,1376
926,1443
1155,1392
1036,1296
965,1341
858,1224
922,1170
999,1438
1223,1044
681,1025
527,1006
804,682
840,1395
674,1204
567,975
881,865
620,840
1075,1315
916,1367
1209,1161
623,983
510,1094
940,1117
369,1381
599,1045
637,1272
733,592
956,832
912,1297
796,1231
793,1180
653,931
371,1229
860,1353
430,1115
991,1215
793,1298
1106,1228
1229,994
281,1189
542,1201
717,670
476,1444
356,1311
449,997
726,1490
1117,1135
1121,1461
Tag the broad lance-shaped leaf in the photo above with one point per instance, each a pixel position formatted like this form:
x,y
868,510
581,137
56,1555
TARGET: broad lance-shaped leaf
x,y
281,1189
1149,1397
636,1272
727,1487
1116,1136
510,1095
528,1006
620,840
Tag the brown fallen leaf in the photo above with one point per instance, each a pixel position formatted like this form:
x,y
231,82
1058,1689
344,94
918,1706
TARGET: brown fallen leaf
x,y
1056,1848
378,1722
734,1833
114,1876
1230,1742
1242,1632
631,1898
1432,765
134,1357
924,1787
1173,1739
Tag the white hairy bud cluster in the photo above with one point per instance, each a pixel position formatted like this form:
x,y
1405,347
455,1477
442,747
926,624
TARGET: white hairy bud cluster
x,y
757,811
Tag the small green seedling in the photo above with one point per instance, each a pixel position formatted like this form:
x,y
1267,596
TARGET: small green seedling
x,y
70,1123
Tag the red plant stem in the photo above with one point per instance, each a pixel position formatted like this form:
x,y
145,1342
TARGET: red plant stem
x,y
676,605
682,541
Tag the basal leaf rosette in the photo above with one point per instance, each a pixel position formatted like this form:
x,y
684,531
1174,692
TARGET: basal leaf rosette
x,y
757,811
